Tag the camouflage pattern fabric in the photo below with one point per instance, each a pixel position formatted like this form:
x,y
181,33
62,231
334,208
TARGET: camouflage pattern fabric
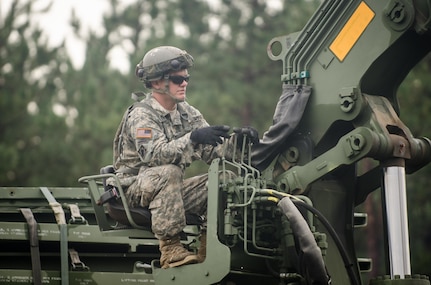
x,y
169,196
152,149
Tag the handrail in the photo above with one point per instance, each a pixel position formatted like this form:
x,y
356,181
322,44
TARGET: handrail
x,y
117,183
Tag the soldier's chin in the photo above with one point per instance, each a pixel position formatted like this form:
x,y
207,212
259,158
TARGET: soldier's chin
x,y
182,99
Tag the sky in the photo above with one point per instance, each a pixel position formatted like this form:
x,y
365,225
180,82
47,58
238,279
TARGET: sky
x,y
90,12
56,25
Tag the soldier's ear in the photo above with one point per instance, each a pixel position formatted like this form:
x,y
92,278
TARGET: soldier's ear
x,y
157,84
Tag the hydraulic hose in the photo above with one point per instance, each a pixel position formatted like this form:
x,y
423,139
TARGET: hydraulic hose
x,y
347,262
312,256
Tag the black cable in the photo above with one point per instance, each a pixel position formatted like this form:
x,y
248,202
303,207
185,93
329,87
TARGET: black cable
x,y
347,262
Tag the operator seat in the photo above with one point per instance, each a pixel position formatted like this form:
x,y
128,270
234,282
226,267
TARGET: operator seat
x,y
140,215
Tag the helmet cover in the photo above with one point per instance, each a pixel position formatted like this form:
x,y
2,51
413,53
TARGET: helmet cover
x,y
159,61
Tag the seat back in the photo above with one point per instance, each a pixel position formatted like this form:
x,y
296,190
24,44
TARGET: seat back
x,y
95,192
119,210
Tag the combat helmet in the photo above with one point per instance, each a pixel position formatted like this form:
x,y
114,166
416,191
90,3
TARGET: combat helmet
x,y
159,61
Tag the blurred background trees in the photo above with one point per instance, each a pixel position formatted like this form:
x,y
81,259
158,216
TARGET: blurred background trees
x,y
58,121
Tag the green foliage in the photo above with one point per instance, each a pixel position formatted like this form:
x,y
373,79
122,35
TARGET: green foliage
x,y
74,113
28,81
415,101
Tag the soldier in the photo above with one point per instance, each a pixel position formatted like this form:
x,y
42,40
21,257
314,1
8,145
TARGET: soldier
x,y
158,138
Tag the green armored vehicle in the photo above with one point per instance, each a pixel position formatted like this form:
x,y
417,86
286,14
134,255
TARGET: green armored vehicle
x,y
289,215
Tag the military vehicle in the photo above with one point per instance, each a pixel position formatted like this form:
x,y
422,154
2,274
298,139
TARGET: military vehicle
x,y
291,222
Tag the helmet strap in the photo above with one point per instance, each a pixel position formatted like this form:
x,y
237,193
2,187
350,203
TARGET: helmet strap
x,y
166,90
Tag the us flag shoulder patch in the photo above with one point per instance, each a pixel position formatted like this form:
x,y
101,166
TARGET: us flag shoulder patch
x,y
144,133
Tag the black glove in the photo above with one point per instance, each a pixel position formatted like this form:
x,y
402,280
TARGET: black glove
x,y
249,133
210,135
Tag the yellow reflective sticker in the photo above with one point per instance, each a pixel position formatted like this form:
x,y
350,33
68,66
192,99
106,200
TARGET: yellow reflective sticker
x,y
351,31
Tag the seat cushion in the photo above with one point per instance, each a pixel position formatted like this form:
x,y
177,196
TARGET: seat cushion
x,y
141,216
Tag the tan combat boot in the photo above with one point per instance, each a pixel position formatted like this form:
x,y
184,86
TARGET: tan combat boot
x,y
174,254
202,251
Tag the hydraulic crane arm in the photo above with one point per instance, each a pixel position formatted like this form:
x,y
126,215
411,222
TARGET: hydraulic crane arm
x,y
354,55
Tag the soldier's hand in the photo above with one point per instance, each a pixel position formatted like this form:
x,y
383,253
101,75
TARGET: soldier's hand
x,y
211,135
249,133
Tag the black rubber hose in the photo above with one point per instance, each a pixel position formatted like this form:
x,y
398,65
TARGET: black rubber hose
x,y
347,262
312,254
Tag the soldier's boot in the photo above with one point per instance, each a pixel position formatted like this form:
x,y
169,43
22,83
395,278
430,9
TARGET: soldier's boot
x,y
174,254
202,251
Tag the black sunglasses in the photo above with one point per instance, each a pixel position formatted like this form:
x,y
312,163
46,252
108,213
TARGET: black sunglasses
x,y
178,79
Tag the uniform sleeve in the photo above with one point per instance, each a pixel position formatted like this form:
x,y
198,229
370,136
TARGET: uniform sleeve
x,y
159,144
208,152
152,143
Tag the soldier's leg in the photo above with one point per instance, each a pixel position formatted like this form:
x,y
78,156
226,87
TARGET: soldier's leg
x,y
160,188
195,196
195,192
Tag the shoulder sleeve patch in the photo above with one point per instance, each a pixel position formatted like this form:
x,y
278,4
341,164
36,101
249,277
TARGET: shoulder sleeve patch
x,y
144,133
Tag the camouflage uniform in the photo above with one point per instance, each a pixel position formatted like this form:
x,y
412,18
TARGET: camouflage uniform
x,y
152,149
